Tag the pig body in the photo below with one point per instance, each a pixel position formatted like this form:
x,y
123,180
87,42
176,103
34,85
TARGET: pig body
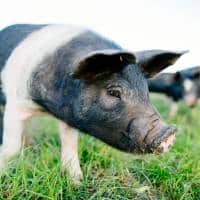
x,y
84,80
191,85
182,85
166,84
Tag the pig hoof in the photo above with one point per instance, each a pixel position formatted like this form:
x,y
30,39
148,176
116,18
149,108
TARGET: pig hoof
x,y
27,140
77,180
76,176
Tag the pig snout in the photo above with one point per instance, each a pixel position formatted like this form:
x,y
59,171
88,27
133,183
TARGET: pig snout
x,y
164,139
153,136
191,100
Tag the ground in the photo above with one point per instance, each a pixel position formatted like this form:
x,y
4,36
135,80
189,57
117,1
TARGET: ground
x,y
108,173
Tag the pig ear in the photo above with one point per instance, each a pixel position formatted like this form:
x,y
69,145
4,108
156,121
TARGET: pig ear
x,y
177,76
153,61
99,64
196,75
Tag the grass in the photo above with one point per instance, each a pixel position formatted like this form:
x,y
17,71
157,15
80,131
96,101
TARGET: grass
x,y
108,173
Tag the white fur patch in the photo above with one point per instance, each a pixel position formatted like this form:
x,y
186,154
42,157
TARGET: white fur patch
x,y
19,107
69,151
188,85
26,57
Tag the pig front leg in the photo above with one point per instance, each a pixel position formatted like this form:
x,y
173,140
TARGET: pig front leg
x,y
13,127
69,151
173,110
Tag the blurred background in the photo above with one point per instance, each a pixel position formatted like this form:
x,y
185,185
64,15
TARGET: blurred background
x,y
136,25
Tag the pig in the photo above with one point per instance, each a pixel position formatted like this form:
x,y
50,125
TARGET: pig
x,y
182,85
191,84
89,83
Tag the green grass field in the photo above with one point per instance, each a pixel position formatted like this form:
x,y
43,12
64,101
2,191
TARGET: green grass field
x,y
108,173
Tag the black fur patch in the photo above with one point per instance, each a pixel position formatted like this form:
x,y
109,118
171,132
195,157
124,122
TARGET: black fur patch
x,y
11,36
54,72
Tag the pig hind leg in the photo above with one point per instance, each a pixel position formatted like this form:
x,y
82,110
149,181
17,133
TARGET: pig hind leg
x,y
69,151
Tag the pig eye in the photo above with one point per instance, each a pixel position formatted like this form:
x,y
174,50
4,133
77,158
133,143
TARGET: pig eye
x,y
114,93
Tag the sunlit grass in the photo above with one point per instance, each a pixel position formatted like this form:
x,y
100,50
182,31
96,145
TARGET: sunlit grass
x,y
108,173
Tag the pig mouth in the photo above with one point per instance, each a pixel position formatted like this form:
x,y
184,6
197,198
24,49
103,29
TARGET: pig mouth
x,y
160,143
191,100
163,141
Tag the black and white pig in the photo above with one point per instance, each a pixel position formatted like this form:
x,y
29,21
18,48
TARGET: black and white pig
x,y
87,82
182,85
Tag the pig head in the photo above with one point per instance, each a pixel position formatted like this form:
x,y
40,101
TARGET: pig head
x,y
191,84
112,100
